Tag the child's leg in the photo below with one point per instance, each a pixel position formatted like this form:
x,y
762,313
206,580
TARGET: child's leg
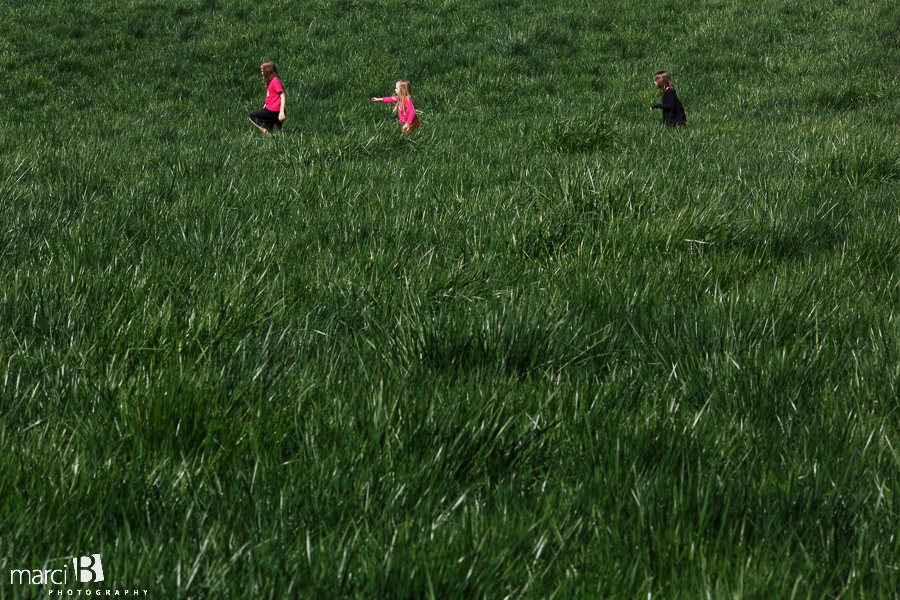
x,y
261,119
263,129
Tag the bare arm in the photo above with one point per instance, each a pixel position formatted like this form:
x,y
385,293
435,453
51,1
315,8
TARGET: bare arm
x,y
281,112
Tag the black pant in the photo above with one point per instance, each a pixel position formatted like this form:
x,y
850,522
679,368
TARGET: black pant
x,y
265,118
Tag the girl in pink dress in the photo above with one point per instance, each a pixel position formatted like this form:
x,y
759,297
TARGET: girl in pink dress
x,y
405,109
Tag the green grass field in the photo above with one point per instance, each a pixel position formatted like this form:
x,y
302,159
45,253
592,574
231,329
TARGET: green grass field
x,y
543,348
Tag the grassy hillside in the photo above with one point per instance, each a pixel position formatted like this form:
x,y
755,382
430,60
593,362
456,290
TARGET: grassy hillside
x,y
542,348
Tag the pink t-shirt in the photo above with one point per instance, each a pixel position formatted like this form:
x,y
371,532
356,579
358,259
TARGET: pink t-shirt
x,y
273,100
406,112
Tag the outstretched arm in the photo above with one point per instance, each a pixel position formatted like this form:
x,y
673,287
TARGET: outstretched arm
x,y
389,99
667,103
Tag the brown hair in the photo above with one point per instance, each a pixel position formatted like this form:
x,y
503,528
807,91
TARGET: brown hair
x,y
662,80
269,71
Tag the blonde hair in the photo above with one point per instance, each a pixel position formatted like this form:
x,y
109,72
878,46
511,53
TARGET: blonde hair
x,y
403,91
270,71
662,80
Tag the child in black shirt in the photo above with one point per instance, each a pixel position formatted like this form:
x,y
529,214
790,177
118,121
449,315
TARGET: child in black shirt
x,y
673,111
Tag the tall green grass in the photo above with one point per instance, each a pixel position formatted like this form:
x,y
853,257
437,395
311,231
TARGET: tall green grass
x,y
542,348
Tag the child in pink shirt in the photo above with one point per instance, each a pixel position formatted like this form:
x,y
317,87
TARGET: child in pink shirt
x,y
405,109
273,114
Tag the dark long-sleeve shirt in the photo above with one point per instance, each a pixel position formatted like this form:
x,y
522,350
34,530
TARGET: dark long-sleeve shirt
x,y
673,111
